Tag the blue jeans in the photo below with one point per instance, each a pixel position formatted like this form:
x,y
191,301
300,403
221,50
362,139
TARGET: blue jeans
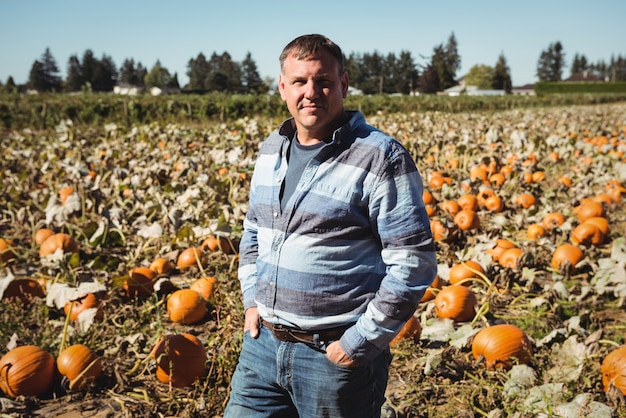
x,y
281,379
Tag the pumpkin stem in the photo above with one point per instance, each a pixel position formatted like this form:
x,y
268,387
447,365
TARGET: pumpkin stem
x,y
65,327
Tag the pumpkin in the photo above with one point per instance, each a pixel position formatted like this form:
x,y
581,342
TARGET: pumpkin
x,y
525,200
467,219
450,206
552,220
587,234
564,181
26,370
483,195
468,202
180,359
428,198
23,289
186,306
510,258
161,266
58,241
601,222
430,292
6,252
204,286
478,172
501,246
566,256
74,308
214,243
463,273
588,209
455,302
412,329
42,234
494,204
439,230
64,193
79,365
535,231
189,257
613,370
140,282
500,344
497,179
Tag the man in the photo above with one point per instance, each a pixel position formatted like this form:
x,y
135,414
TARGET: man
x,y
336,251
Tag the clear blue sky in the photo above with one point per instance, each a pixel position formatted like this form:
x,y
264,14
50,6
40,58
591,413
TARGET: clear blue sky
x,y
176,31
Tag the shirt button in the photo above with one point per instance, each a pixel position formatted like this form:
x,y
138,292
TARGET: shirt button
x,y
275,214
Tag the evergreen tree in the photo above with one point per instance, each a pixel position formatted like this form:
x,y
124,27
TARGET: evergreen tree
x,y
452,61
105,74
10,86
198,72
502,75
224,74
131,74
44,74
429,80
36,78
252,82
551,62
407,74
74,80
88,68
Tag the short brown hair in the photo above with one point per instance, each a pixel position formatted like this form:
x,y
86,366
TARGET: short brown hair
x,y
305,46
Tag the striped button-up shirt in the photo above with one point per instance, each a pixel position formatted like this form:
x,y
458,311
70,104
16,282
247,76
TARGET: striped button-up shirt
x,y
353,244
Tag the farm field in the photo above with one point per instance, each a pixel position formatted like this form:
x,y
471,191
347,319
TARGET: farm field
x,y
129,196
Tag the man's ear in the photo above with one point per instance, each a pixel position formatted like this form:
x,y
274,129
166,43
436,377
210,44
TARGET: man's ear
x,y
344,84
281,86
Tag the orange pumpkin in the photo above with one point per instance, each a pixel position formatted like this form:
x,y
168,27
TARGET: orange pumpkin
x,y
6,252
510,258
26,370
161,266
204,286
23,289
587,234
535,231
140,282
588,209
501,246
600,222
552,220
430,293
74,308
411,330
494,204
439,230
566,256
525,200
428,198
468,202
186,306
450,206
80,365
180,359
64,193
189,258
464,272
455,302
613,370
58,241
214,243
42,234
467,219
500,344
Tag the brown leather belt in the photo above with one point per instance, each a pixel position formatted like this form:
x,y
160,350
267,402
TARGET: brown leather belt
x,y
295,335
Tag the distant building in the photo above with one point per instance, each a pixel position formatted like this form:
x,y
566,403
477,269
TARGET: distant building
x,y
158,91
584,76
525,90
126,89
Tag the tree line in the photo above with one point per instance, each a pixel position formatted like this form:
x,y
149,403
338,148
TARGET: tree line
x,y
371,73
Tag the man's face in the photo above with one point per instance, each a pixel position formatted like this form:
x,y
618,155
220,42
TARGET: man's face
x,y
314,91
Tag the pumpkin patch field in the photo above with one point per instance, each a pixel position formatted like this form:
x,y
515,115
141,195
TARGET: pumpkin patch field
x,y
119,251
